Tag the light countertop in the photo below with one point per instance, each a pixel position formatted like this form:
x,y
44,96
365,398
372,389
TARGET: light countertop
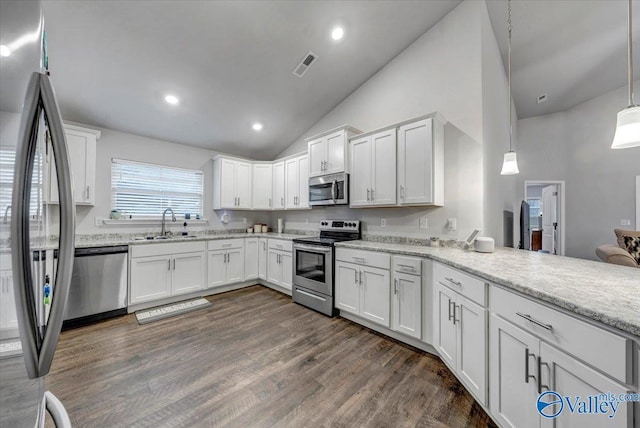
x,y
600,291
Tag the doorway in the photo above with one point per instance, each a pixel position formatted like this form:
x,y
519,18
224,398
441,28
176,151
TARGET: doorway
x,y
546,200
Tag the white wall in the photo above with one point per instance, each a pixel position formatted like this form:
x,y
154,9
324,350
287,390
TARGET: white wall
x,y
574,146
440,71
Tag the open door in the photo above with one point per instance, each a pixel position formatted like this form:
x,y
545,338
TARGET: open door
x,y
550,219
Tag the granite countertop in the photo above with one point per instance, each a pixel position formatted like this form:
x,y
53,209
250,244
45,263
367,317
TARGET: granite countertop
x,y
600,291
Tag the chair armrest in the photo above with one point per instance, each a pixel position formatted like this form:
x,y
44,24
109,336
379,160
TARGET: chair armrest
x,y
616,255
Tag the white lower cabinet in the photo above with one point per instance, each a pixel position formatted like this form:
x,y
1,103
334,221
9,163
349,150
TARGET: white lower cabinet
x,y
226,262
262,258
280,263
164,270
251,258
8,315
363,291
460,334
406,300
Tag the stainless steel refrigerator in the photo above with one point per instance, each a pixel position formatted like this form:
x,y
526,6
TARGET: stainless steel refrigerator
x,y
32,134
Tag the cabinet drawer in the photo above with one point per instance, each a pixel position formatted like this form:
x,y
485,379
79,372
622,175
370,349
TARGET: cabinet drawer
x,y
603,350
368,258
465,284
410,265
279,244
148,250
225,244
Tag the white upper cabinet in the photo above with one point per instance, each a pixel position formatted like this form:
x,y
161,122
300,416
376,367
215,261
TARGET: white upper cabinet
x,y
262,186
278,186
297,182
231,183
328,152
421,163
81,144
373,169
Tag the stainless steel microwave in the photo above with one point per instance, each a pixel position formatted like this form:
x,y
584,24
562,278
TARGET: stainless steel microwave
x,y
331,189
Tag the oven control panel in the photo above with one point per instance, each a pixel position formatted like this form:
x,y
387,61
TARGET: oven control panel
x,y
340,225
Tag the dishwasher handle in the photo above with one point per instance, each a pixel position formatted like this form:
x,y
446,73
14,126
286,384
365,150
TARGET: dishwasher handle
x,y
101,251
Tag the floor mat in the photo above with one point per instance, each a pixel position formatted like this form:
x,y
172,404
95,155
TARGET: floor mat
x,y
161,312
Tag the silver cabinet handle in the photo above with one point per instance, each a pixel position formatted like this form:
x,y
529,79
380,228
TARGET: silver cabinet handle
x,y
358,259
38,351
238,200
535,321
356,272
459,284
407,267
540,384
395,286
270,203
372,196
527,376
228,257
454,313
174,264
450,313
88,194
226,245
264,246
368,193
169,264
401,191
282,202
360,277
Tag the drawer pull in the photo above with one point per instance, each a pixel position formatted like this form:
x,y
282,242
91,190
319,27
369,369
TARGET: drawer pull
x,y
535,321
226,245
459,284
358,259
407,267
527,355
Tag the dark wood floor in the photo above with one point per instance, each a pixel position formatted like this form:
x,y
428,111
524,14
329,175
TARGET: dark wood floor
x,y
253,359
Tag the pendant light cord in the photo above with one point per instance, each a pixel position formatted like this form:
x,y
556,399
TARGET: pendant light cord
x,y
630,58
509,66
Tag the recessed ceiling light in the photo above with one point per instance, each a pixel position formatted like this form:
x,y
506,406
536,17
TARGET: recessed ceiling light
x,y
337,33
257,126
4,50
171,99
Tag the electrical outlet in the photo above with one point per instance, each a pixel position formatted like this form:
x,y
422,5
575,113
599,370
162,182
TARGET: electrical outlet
x,y
452,224
423,222
99,221
383,222
625,222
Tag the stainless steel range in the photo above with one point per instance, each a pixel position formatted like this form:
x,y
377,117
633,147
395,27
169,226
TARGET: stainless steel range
x,y
313,263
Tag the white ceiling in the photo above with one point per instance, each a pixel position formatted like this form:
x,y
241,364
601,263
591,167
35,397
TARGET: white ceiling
x,y
231,62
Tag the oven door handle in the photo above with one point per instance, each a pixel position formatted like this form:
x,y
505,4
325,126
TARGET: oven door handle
x,y
313,248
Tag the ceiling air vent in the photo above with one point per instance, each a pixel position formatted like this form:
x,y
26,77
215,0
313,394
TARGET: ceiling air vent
x,y
305,64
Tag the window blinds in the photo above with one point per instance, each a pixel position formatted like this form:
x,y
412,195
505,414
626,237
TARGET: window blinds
x,y
7,161
146,190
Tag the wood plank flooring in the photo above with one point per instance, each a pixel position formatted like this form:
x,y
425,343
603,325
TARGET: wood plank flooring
x,y
253,359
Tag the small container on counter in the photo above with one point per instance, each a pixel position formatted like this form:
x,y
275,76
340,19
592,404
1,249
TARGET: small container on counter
x,y
265,228
249,229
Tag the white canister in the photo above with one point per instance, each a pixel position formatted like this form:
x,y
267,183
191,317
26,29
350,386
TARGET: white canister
x,y
265,228
249,229
483,244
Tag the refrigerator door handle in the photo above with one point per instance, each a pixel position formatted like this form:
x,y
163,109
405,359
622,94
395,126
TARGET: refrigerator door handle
x,y
38,351
56,409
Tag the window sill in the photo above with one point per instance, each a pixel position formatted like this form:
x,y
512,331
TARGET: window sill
x,y
148,222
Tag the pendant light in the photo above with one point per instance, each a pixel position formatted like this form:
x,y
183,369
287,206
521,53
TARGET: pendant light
x,y
628,129
510,163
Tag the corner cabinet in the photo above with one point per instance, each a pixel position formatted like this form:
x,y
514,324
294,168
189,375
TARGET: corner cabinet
x,y
328,152
297,182
421,163
81,145
373,169
251,258
262,186
231,183
163,270
278,187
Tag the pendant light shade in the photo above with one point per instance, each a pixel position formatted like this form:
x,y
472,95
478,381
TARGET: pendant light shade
x,y
510,164
628,128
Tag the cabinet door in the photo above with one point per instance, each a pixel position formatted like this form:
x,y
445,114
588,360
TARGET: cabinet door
x,y
336,152
274,271
415,163
317,157
227,183
188,273
444,333
569,377
243,184
262,259
384,168
292,187
347,277
406,309
150,278
216,268
360,181
471,365
82,159
251,258
278,186
8,315
512,388
235,265
262,186
375,295
303,182
286,266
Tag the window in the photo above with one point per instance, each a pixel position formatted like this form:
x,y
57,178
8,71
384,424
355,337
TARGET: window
x,y
7,161
146,190
535,211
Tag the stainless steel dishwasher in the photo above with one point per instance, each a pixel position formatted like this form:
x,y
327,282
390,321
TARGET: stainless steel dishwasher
x,y
98,285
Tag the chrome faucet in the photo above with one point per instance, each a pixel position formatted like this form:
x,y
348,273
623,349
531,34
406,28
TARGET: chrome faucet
x,y
164,232
6,214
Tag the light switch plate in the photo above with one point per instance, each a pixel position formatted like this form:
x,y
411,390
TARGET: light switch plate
x,y
452,224
383,222
625,222
423,223
99,221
